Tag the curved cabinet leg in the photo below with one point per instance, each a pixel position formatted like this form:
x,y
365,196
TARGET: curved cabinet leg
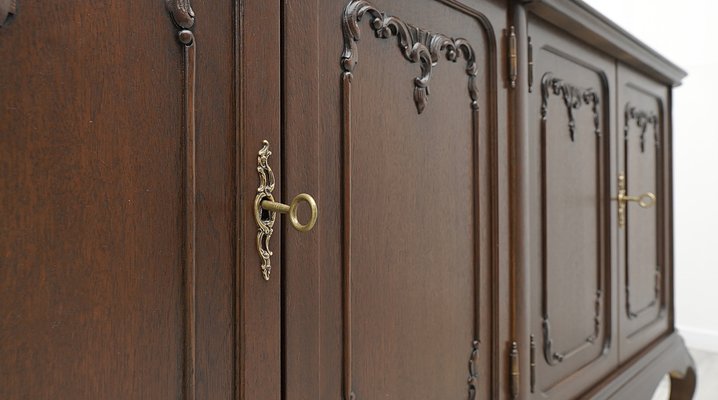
x,y
683,385
640,378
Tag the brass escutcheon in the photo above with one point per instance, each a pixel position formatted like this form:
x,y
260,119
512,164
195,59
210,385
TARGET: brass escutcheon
x,y
645,200
264,201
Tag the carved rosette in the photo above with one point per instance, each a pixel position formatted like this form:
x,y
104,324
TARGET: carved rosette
x,y
416,45
643,120
573,97
8,8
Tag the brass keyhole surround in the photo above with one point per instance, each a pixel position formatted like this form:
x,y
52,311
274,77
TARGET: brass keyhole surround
x,y
645,200
266,209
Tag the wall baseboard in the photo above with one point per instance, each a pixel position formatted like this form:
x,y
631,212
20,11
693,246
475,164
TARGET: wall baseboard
x,y
700,339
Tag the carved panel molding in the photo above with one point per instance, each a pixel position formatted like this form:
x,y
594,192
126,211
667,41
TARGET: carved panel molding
x,y
417,46
642,120
183,17
8,8
426,49
573,98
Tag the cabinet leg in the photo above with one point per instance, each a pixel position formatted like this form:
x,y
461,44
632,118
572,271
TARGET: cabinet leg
x,y
683,385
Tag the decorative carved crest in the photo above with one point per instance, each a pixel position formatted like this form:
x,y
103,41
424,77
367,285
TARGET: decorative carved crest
x,y
643,120
417,45
181,11
573,98
8,8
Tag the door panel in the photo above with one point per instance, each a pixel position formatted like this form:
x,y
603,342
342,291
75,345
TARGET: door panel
x,y
116,262
404,185
642,261
569,127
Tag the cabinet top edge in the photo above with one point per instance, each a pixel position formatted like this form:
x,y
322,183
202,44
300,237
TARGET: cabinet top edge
x,y
583,21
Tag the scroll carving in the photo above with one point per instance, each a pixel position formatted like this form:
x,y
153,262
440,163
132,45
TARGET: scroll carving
x,y
264,192
630,312
182,13
643,119
417,46
554,357
8,8
183,17
473,370
573,98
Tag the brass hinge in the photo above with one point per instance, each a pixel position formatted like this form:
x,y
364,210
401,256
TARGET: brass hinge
x,y
513,57
514,368
531,65
532,365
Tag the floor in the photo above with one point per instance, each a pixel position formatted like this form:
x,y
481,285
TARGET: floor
x,y
707,364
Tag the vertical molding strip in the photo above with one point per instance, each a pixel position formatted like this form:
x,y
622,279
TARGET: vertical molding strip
x,y
183,16
346,237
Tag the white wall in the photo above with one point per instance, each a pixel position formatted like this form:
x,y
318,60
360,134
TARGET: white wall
x,y
686,32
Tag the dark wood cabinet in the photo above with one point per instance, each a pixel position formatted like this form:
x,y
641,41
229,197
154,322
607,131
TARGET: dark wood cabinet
x,y
493,202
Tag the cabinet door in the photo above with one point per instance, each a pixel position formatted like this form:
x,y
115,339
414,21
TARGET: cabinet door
x,y
571,291
644,244
389,297
116,259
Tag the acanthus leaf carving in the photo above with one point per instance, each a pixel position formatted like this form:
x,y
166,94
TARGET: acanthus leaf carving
x,y
473,370
182,13
8,8
573,98
417,46
643,120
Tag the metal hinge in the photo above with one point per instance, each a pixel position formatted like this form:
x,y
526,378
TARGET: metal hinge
x,y
531,65
532,365
513,57
514,370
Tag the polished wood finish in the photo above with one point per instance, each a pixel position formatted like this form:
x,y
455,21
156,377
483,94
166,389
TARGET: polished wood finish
x,y
96,252
644,246
384,174
464,156
572,288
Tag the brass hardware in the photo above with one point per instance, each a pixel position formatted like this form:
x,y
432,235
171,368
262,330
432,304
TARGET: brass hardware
x,y
645,200
292,210
514,370
264,201
532,363
531,65
513,57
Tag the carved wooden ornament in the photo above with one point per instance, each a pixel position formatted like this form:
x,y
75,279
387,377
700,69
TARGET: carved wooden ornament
x,y
417,46
7,9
